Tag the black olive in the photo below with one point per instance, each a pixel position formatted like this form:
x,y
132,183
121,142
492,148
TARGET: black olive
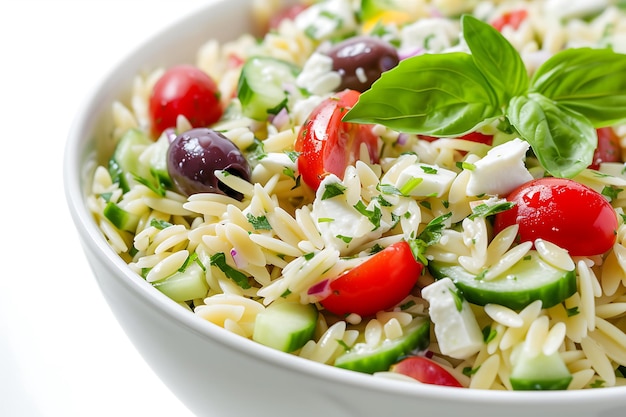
x,y
194,155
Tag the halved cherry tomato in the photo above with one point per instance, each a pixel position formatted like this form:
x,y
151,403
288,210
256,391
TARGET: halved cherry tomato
x,y
425,370
564,212
184,90
327,144
514,18
608,150
379,283
472,136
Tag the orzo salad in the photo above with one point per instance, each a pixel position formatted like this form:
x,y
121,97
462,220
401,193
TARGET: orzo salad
x,y
429,190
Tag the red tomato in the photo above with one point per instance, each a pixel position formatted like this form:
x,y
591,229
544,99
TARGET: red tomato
x,y
289,12
472,136
327,144
188,91
564,212
379,283
608,150
513,18
425,370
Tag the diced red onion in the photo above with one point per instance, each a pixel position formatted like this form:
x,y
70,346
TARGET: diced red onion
x,y
281,119
408,53
402,139
320,290
240,261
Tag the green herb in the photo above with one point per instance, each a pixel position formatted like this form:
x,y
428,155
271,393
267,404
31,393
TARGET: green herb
x,y
191,258
556,111
282,105
256,151
325,220
458,298
106,196
219,260
259,222
333,190
611,192
346,239
343,344
598,383
407,305
410,185
383,203
465,165
426,204
375,249
469,371
157,188
489,334
160,224
429,236
486,210
428,170
373,216
572,311
388,189
290,172
308,256
286,294
293,155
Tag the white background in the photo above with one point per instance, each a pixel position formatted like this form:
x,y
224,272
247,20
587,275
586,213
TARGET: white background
x,y
61,351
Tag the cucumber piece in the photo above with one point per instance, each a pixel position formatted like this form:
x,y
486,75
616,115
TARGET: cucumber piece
x,y
184,285
121,218
158,161
285,326
125,160
261,88
528,280
370,359
540,372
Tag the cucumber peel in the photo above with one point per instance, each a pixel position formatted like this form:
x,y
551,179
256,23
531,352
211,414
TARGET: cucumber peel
x,y
539,372
184,285
370,359
528,280
285,326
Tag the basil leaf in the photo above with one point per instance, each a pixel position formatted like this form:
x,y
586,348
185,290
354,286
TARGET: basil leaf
x,y
562,139
589,81
496,58
432,94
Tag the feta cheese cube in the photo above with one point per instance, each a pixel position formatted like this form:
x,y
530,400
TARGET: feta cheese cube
x,y
501,170
423,180
455,325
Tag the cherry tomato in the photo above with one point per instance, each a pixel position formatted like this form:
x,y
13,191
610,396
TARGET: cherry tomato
x,y
327,144
514,18
184,90
425,370
608,150
379,283
564,212
472,136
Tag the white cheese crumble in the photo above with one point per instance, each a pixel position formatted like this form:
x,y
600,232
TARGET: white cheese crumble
x,y
327,19
455,325
429,34
428,180
501,170
317,75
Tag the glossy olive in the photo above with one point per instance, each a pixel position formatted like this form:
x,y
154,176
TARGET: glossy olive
x,y
361,60
195,155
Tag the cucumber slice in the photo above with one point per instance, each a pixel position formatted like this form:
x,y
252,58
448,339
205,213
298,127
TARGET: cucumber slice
x,y
125,160
261,88
121,218
184,285
370,359
158,161
285,326
540,372
528,280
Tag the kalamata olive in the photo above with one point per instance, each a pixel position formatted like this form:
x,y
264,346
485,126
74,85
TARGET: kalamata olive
x,y
195,155
361,60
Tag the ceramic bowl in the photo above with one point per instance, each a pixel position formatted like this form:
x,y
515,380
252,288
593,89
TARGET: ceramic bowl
x,y
217,373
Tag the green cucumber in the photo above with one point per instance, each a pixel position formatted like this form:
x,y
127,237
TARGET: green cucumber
x,y
124,164
121,218
261,88
539,372
373,8
184,285
158,161
369,359
285,326
528,280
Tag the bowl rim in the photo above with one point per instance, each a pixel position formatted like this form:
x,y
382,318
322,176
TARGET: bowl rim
x,y
76,160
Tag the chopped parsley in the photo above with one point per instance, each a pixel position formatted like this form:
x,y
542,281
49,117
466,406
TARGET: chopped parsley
x,y
486,210
611,192
489,334
259,222
333,189
160,224
346,239
410,185
465,165
458,299
428,170
429,236
241,279
373,216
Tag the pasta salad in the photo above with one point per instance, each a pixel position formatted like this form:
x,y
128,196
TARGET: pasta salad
x,y
426,190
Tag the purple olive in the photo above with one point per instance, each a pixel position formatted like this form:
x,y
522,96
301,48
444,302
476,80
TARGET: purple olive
x,y
361,60
195,155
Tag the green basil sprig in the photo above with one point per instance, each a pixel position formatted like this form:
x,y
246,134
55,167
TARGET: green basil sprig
x,y
451,94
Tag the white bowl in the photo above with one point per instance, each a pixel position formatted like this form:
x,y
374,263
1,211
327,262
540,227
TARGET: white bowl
x,y
215,372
